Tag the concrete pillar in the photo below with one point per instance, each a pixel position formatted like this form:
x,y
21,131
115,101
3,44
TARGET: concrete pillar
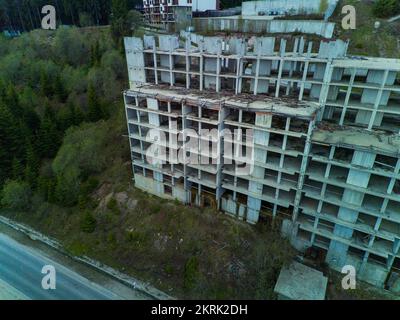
x,y
168,44
212,45
262,47
256,187
135,61
327,50
376,97
337,253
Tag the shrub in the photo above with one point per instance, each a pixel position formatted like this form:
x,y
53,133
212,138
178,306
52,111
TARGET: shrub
x,y
155,208
77,248
83,149
386,8
136,237
111,239
112,205
191,273
88,223
16,195
67,187
169,269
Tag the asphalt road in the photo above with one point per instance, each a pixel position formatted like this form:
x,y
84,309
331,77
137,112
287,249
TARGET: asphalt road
x,y
21,273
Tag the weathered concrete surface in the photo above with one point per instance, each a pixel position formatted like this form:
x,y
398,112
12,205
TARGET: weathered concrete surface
x,y
8,292
256,25
289,7
299,282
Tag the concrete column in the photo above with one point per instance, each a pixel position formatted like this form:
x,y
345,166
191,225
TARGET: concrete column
x,y
376,97
303,169
212,46
135,60
187,60
201,49
150,44
263,47
348,95
168,44
255,187
337,252
282,53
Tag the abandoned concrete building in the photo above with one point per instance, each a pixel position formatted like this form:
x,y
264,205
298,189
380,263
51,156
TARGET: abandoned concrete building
x,y
325,161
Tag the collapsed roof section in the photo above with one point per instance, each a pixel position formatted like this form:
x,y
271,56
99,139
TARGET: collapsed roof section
x,y
262,104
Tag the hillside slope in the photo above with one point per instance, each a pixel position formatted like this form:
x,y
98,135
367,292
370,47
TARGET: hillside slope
x,y
366,40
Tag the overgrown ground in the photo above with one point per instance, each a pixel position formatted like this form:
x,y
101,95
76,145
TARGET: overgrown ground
x,y
185,251
365,39
363,290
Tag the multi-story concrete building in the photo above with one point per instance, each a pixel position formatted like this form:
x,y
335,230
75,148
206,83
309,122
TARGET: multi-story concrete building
x,y
323,129
169,11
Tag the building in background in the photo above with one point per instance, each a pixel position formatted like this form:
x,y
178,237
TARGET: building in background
x,y
289,7
164,12
260,17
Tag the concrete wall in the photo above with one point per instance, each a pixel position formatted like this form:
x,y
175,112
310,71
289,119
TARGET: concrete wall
x,y
195,38
293,7
237,24
313,27
157,188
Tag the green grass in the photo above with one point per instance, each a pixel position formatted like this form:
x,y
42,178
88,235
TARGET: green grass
x,y
187,252
363,290
366,40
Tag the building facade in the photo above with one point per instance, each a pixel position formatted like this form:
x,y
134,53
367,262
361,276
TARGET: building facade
x,y
303,135
170,11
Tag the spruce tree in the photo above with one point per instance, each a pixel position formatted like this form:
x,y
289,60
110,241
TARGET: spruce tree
x,y
59,90
119,20
31,119
95,112
95,54
42,187
79,116
32,166
45,84
48,138
17,169
12,102
2,91
10,142
51,190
